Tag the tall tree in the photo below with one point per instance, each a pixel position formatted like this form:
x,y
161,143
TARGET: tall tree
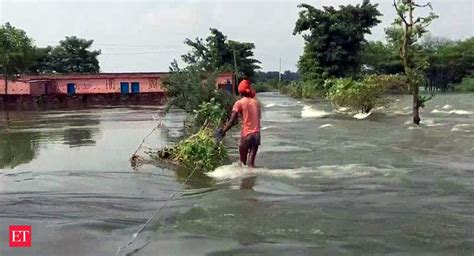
x,y
333,38
15,52
73,55
216,53
413,29
245,61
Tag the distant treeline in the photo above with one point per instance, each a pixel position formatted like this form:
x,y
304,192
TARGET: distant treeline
x,y
447,62
263,77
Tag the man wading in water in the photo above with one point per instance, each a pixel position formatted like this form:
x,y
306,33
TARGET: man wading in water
x,y
249,109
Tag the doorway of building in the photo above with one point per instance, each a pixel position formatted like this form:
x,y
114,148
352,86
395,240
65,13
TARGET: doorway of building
x,y
124,88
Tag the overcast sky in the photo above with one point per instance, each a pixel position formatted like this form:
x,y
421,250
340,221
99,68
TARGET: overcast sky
x,y
148,35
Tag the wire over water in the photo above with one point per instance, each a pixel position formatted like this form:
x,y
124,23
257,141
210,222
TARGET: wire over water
x,y
142,228
134,160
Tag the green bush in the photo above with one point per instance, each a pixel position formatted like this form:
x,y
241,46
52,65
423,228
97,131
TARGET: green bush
x,y
295,90
363,95
393,83
303,89
189,87
262,87
467,85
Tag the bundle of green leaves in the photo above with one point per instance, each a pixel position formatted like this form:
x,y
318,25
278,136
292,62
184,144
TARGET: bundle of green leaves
x,y
210,113
200,150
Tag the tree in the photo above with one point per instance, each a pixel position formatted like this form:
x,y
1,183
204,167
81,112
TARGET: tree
x,y
412,30
73,55
333,38
380,58
449,61
15,52
216,53
42,61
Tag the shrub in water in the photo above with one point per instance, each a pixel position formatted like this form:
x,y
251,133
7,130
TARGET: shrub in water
x,y
358,95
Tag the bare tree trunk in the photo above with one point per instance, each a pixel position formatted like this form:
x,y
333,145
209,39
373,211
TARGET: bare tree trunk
x,y
407,63
416,106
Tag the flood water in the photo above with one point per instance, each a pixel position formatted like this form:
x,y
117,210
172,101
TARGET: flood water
x,y
327,183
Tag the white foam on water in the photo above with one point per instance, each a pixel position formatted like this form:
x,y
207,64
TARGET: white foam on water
x,y
310,112
454,111
463,128
266,128
234,171
447,106
361,116
354,171
401,113
326,126
342,110
285,148
431,123
269,105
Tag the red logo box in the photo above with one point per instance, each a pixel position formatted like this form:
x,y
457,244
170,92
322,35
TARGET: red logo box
x,y
20,236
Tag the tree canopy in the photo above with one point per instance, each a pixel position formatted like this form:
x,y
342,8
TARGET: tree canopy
x,y
15,51
72,55
333,38
216,53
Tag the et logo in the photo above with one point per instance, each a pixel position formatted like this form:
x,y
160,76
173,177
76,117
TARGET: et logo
x,y
20,236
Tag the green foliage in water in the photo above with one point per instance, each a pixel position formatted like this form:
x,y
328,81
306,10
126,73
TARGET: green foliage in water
x,y
467,85
304,89
200,150
362,95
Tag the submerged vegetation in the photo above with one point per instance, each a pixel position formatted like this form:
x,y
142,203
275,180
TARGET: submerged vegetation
x,y
467,85
200,150
363,95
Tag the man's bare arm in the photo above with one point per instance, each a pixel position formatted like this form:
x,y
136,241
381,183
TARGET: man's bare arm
x,y
232,121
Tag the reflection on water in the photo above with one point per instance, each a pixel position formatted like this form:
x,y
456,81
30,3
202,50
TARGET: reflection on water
x,y
79,137
327,183
17,148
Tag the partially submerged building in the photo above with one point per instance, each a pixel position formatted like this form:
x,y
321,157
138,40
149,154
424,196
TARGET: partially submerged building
x,y
150,83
